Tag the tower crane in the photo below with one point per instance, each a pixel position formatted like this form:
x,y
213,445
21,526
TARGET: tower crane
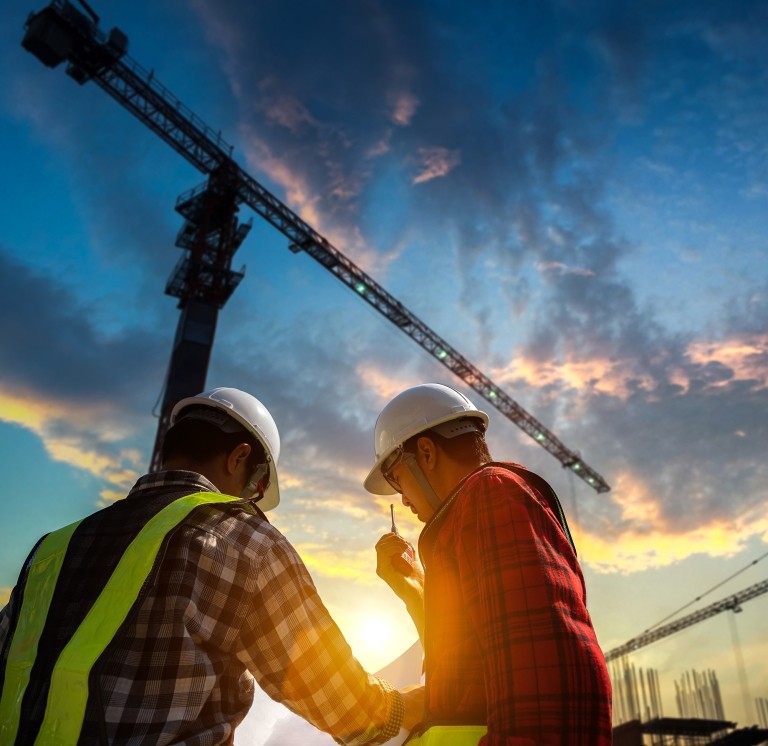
x,y
203,280
731,603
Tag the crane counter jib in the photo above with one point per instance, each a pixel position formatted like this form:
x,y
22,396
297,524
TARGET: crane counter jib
x,y
61,33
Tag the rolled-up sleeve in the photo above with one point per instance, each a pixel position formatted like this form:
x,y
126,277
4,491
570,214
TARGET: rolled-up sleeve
x,y
300,658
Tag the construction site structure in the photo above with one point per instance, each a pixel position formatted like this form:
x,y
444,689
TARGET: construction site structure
x,y
62,33
761,703
636,692
637,713
639,721
697,695
687,732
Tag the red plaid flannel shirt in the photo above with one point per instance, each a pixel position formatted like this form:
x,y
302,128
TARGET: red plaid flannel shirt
x,y
509,641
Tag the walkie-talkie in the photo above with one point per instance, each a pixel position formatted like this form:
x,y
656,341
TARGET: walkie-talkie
x,y
407,556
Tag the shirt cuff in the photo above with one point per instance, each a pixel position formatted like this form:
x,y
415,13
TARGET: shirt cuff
x,y
395,712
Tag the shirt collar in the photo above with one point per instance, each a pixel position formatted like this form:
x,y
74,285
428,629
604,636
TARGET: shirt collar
x,y
172,480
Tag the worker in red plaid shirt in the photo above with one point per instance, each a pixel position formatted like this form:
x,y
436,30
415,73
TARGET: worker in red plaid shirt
x,y
511,656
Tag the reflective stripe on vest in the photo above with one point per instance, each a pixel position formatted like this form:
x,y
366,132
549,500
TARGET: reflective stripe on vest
x,y
68,693
35,602
449,735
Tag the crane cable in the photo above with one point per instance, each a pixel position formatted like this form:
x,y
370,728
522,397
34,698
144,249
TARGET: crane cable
x,y
713,588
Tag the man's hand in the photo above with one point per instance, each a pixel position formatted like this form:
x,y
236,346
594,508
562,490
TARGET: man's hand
x,y
413,701
404,577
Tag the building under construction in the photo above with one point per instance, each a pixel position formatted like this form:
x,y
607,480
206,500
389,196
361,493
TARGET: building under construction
x,y
639,721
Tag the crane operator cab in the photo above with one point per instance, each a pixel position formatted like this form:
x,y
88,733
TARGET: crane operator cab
x,y
61,32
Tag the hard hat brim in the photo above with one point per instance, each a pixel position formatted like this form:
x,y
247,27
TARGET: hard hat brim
x,y
271,497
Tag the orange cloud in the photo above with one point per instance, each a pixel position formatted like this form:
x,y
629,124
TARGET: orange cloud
x,y
299,197
603,375
384,386
650,542
298,193
436,162
746,357
619,378
63,426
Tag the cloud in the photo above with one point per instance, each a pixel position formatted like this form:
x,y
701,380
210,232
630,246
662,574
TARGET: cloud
x,y
382,384
85,435
76,389
288,112
70,354
436,162
702,365
743,359
646,539
560,267
404,106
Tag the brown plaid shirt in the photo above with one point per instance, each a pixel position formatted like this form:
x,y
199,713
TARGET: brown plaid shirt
x,y
509,640
232,605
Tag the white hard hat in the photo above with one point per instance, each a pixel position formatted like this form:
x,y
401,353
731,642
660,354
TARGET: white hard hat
x,y
411,412
229,406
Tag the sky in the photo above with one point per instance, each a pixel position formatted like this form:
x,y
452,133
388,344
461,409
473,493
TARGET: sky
x,y
572,193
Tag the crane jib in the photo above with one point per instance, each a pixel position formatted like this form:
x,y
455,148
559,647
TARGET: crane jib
x,y
62,33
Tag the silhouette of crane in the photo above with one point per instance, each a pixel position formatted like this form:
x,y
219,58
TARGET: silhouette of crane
x,y
731,603
203,279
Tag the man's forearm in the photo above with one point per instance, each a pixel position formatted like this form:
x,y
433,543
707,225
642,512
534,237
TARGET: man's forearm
x,y
414,605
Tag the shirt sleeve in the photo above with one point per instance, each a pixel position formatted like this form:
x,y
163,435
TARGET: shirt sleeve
x,y
300,658
525,595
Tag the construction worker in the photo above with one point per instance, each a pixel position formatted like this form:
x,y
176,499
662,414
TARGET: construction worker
x,y
498,598
151,620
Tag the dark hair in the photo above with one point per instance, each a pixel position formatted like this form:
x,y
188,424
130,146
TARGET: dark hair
x,y
460,448
202,441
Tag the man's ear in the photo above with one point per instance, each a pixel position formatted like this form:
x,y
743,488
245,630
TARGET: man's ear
x,y
236,456
426,452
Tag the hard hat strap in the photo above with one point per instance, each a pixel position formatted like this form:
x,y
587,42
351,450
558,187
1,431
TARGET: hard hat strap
x,y
409,460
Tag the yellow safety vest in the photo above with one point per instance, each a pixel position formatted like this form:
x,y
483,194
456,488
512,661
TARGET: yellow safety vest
x,y
448,735
68,692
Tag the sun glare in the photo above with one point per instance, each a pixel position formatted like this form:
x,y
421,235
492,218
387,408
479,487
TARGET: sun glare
x,y
373,641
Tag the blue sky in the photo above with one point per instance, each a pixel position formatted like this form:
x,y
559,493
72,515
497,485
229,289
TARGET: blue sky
x,y
573,194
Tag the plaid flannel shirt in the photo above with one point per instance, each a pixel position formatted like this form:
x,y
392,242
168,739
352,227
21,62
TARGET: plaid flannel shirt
x,y
232,603
509,640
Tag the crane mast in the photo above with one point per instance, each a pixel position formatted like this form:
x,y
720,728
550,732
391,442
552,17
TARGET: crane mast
x,y
61,33
731,603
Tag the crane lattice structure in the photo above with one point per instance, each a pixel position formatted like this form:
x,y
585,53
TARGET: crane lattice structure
x,y
60,32
731,603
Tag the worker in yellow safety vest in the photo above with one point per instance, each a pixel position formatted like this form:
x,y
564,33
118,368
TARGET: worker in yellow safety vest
x,y
151,620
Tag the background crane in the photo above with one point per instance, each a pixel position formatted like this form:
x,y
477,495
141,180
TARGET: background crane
x,y
203,279
731,603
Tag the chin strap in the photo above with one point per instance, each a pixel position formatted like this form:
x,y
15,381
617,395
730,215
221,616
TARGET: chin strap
x,y
409,460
